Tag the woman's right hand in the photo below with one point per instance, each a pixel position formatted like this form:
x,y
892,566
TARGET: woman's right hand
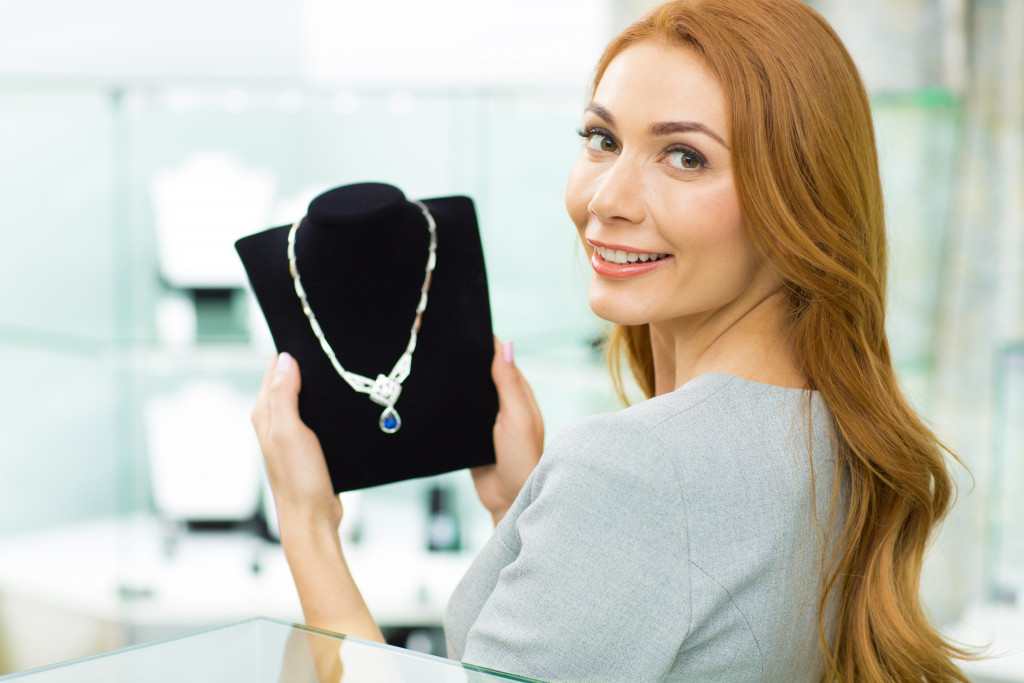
x,y
294,460
308,510
518,436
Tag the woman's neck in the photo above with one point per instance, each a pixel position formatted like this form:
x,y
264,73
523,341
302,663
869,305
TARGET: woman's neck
x,y
748,341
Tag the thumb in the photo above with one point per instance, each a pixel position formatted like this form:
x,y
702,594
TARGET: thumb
x,y
513,392
284,388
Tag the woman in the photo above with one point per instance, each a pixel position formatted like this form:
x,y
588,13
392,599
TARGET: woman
x,y
763,516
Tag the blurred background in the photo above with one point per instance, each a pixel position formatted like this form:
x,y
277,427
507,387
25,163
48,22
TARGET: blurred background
x,y
139,139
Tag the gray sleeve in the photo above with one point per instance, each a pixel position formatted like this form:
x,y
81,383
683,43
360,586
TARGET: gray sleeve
x,y
599,588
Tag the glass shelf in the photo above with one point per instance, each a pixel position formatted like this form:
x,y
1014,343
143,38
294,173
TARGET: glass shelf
x,y
262,650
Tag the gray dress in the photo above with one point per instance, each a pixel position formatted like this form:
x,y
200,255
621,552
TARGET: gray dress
x,y
675,540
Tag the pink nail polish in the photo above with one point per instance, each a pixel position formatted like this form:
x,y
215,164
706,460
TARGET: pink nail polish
x,y
284,362
508,351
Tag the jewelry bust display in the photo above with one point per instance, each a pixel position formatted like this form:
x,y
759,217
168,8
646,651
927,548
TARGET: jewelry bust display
x,y
386,389
364,258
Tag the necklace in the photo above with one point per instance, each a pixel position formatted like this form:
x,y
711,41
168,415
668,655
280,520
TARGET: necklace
x,y
386,389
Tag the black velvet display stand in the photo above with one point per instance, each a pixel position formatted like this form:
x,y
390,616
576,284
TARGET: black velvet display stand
x,y
362,253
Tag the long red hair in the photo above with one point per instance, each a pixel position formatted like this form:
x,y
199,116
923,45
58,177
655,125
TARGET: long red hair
x,y
806,171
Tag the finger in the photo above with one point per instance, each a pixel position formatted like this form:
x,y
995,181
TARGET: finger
x,y
513,392
517,405
268,376
534,406
502,365
283,395
259,411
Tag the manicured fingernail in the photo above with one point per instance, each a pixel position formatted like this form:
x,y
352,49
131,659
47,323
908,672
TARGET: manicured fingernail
x,y
284,362
508,352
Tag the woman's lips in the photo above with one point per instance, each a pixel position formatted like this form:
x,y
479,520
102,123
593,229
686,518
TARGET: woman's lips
x,y
624,270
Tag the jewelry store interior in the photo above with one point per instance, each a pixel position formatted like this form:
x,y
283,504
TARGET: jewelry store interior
x,y
140,140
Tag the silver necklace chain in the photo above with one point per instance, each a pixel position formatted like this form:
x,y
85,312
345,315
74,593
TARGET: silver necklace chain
x,y
386,389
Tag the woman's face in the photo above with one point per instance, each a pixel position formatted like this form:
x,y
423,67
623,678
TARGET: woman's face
x,y
652,192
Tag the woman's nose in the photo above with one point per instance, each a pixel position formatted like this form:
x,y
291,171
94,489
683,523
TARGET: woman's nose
x,y
618,194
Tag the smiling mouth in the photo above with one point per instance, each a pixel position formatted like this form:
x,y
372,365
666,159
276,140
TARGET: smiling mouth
x,y
620,257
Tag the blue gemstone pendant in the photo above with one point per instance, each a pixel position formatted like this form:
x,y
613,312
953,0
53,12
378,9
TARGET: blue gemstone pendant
x,y
389,421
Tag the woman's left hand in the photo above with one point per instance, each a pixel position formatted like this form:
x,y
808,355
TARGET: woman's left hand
x,y
296,468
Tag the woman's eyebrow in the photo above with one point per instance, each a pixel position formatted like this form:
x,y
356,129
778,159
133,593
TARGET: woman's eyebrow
x,y
662,128
601,112
668,127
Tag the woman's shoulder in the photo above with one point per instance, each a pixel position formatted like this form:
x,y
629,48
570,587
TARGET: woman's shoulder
x,y
627,443
709,406
713,422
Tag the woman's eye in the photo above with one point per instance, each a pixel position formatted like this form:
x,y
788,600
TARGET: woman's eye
x,y
599,142
686,159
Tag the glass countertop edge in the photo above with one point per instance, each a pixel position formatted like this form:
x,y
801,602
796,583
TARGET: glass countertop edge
x,y
411,653
500,674
270,620
140,646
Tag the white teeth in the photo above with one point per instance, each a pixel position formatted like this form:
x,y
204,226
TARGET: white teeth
x,y
623,257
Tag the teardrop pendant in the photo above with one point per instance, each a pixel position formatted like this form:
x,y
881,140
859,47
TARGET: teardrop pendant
x,y
389,420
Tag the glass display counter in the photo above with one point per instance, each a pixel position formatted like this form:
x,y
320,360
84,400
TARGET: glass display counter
x,y
262,650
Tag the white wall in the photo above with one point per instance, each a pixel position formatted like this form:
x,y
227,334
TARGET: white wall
x,y
451,42
116,40
384,42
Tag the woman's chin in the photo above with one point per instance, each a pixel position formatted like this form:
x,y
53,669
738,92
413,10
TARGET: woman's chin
x,y
616,312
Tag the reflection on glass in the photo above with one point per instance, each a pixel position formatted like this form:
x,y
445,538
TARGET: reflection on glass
x,y
263,650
